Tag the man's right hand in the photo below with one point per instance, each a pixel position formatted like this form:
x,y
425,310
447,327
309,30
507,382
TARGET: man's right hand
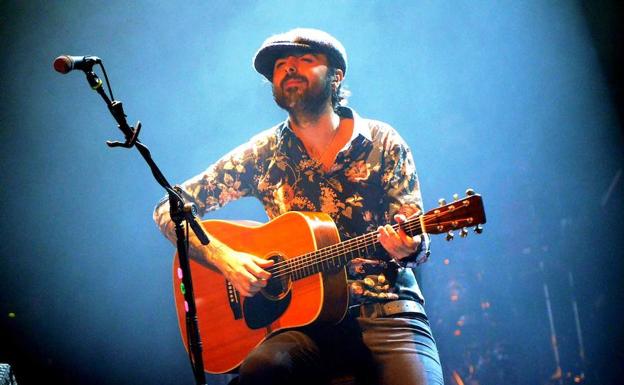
x,y
245,271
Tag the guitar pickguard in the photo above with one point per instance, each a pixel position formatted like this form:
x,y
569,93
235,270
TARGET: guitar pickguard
x,y
260,311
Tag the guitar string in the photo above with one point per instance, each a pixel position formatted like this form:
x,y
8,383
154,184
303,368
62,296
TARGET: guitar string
x,y
309,261
314,255
328,253
325,254
318,257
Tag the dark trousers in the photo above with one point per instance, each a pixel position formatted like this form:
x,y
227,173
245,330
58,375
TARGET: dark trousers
x,y
376,351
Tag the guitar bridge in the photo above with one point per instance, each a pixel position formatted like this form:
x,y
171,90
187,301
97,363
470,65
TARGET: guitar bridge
x,y
234,299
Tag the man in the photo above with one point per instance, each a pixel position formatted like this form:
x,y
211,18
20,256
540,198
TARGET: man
x,y
326,158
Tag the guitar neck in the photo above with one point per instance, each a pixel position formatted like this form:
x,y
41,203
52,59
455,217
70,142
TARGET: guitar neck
x,y
333,257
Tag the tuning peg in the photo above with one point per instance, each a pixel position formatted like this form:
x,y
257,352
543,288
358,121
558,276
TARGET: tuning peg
x,y
450,236
441,202
455,196
463,232
470,192
478,229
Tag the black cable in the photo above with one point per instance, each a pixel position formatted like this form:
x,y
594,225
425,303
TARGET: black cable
x,y
110,91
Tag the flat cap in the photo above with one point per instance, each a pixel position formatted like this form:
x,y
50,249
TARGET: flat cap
x,y
299,39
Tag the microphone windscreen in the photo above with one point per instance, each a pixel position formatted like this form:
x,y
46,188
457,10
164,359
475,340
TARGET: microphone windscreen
x,y
63,64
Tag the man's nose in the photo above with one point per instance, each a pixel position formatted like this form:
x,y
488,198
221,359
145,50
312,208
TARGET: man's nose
x,y
291,65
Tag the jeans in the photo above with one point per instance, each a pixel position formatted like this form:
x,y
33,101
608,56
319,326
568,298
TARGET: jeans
x,y
376,351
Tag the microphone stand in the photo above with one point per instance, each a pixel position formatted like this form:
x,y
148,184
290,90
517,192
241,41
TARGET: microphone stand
x,y
179,211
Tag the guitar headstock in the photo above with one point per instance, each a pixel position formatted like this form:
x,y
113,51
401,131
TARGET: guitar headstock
x,y
459,214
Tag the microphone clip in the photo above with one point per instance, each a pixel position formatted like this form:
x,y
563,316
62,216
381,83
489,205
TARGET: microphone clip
x,y
131,133
129,142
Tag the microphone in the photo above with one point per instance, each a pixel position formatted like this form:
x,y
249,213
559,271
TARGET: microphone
x,y
66,63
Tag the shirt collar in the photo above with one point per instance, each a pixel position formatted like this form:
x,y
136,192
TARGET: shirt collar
x,y
360,127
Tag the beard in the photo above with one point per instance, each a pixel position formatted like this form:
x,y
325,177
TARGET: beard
x,y
310,101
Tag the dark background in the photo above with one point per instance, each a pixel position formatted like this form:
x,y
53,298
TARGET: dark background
x,y
521,101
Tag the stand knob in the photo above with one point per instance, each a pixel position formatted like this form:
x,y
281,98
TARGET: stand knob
x,y
190,208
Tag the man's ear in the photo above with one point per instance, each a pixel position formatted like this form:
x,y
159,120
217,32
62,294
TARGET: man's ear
x,y
338,76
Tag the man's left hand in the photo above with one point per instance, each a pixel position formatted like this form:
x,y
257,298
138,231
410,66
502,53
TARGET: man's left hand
x,y
398,243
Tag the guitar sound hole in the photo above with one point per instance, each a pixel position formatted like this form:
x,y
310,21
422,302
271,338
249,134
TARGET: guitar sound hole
x,y
279,284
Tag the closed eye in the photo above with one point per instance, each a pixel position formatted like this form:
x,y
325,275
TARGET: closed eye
x,y
308,58
279,63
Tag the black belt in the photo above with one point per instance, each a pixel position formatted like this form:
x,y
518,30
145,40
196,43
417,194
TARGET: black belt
x,y
387,309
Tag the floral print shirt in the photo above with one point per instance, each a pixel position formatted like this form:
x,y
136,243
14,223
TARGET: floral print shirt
x,y
372,178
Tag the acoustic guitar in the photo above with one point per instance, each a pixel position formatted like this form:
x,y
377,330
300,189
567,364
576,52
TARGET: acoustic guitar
x,y
308,279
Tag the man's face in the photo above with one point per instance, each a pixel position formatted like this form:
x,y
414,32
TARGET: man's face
x,y
301,83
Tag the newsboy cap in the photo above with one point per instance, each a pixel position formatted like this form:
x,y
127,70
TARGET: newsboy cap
x,y
302,39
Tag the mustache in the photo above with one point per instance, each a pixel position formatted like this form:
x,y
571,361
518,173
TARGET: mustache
x,y
292,77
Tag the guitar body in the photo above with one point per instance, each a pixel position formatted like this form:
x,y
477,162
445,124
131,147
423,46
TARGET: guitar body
x,y
231,326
